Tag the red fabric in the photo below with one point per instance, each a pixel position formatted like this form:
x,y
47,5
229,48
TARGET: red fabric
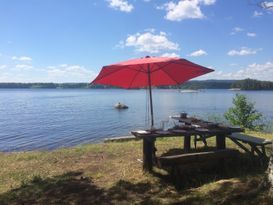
x,y
163,71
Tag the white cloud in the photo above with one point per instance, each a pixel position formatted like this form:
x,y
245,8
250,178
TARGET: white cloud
x,y
172,55
207,2
257,14
197,53
69,73
251,34
149,42
255,71
10,77
185,9
267,5
55,73
23,67
243,52
236,30
2,66
21,58
121,5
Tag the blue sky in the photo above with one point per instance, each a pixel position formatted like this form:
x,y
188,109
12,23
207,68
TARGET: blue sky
x,y
70,40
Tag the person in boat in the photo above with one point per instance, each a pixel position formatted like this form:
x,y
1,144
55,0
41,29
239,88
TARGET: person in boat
x,y
121,106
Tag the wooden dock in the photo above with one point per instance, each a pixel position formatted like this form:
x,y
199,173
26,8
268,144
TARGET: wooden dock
x,y
120,139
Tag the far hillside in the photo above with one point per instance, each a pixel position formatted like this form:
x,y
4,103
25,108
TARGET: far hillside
x,y
208,84
250,84
246,84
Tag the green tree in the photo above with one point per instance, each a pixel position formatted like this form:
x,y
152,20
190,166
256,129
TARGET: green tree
x,y
243,113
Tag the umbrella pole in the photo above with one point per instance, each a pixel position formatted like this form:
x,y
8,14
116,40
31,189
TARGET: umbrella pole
x,y
151,97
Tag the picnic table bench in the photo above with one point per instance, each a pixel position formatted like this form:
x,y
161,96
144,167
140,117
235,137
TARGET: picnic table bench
x,y
257,144
195,157
206,129
196,160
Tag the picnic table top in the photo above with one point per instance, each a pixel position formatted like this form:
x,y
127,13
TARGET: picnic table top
x,y
193,126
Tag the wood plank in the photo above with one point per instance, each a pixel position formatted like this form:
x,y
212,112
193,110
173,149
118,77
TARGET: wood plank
x,y
250,139
196,157
260,154
240,145
263,150
148,153
220,141
201,138
187,143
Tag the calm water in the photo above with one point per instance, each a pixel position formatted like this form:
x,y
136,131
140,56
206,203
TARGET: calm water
x,y
47,119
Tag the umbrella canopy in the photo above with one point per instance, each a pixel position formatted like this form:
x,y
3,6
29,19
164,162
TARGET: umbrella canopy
x,y
148,72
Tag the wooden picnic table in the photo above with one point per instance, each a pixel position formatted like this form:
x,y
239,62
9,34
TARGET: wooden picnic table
x,y
191,127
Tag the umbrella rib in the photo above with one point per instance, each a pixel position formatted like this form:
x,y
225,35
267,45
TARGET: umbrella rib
x,y
190,65
173,62
140,70
134,78
179,63
170,76
159,68
110,73
117,70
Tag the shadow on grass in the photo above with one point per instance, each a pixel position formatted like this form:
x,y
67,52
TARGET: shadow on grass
x,y
73,188
64,189
198,174
236,181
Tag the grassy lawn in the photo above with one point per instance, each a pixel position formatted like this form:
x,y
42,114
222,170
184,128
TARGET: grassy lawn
x,y
111,173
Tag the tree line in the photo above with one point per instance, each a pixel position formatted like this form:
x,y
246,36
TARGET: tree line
x,y
246,84
250,84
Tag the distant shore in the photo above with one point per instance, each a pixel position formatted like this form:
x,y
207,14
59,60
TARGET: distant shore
x,y
246,84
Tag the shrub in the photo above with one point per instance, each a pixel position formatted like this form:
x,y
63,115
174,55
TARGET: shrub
x,y
243,113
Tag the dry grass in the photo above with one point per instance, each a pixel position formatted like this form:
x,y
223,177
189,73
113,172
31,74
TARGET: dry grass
x,y
112,174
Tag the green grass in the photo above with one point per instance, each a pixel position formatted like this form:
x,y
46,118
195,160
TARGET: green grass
x,y
110,173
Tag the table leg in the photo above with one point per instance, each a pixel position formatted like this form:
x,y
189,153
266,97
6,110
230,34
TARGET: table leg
x,y
148,153
221,141
263,151
187,143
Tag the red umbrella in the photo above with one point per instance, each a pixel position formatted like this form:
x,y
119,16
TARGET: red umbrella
x,y
148,72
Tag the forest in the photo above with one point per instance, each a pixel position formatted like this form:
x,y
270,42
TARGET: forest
x,y
246,84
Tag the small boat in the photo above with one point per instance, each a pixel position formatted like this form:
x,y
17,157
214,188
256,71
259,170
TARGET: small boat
x,y
235,89
121,106
189,91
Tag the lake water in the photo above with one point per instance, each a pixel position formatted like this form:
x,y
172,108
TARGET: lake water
x,y
52,118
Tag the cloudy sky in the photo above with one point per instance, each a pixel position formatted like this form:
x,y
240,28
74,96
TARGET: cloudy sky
x,y
70,40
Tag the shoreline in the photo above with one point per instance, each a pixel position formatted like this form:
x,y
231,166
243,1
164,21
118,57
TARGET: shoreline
x,y
243,84
104,140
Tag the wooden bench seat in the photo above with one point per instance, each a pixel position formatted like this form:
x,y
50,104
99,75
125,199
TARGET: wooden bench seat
x,y
254,142
198,158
